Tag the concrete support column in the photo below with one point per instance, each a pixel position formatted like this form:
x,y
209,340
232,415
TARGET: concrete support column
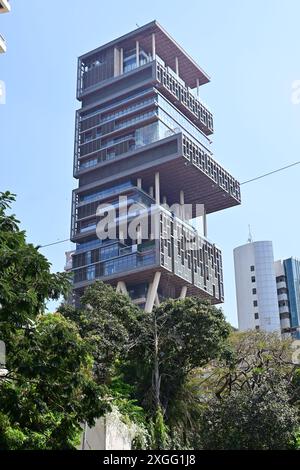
x,y
139,183
183,292
151,193
156,301
181,202
121,60
157,188
153,46
116,62
121,287
137,52
181,198
198,86
164,200
176,66
152,292
204,224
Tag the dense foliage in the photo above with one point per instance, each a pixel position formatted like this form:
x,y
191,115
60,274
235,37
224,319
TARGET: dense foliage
x,y
152,353
179,377
49,389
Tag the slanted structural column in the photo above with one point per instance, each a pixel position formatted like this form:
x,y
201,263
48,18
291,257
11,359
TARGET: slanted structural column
x,y
152,292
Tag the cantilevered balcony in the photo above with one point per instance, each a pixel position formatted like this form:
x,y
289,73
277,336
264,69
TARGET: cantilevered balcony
x,y
4,6
2,45
178,251
176,158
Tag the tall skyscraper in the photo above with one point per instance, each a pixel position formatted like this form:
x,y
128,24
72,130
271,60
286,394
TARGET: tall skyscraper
x,y
143,133
4,8
267,292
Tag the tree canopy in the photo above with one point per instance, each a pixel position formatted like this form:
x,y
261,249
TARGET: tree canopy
x,y
49,389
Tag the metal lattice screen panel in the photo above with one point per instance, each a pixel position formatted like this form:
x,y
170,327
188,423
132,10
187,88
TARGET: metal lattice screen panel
x,y
191,257
203,161
186,98
166,241
183,238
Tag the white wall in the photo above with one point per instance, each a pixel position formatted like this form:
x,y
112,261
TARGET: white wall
x,y
109,433
260,255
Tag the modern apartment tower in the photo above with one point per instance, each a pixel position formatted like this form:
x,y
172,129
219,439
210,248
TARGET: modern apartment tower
x,y
256,291
288,290
4,8
143,134
267,292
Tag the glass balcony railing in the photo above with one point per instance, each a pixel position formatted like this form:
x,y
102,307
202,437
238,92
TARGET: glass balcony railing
x,y
121,264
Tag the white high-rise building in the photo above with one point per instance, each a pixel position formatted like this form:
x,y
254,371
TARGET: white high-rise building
x,y
256,289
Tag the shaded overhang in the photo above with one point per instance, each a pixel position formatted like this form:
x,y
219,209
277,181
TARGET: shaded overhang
x,y
166,156
165,46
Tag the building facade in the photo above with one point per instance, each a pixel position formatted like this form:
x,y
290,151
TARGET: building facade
x,y
142,147
4,8
288,290
282,296
256,290
267,292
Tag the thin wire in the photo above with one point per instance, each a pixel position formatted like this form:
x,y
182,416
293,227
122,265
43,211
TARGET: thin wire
x,y
244,182
55,243
271,173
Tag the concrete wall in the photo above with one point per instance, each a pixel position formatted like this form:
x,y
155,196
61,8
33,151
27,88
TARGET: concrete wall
x,y
109,433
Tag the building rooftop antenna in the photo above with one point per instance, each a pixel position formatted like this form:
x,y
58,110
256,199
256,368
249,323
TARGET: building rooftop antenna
x,y
250,238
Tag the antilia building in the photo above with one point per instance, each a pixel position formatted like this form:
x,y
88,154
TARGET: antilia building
x,y
142,140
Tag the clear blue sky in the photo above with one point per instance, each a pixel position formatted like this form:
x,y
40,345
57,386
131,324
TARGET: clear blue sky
x,y
249,48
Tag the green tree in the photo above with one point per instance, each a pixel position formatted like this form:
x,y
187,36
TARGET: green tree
x,y
111,324
250,395
260,418
49,389
177,337
26,282
152,353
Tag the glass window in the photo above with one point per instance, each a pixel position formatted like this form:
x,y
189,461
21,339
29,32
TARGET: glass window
x,y
88,257
114,104
90,273
109,252
129,63
174,119
129,60
252,268
105,192
252,278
